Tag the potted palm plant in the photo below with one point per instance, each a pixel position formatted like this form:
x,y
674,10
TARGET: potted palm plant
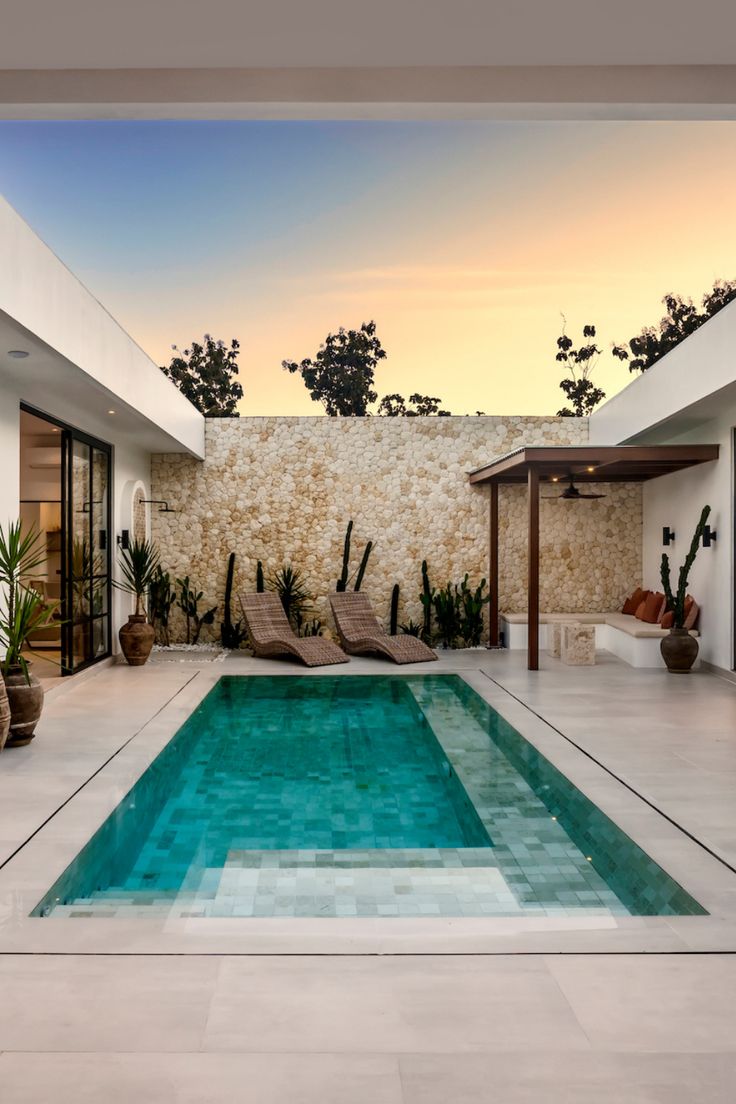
x,y
23,611
138,564
680,649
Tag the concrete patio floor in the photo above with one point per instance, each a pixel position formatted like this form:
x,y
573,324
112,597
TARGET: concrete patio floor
x,y
197,1020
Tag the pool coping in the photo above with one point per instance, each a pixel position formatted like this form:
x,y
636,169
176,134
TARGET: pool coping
x,y
29,874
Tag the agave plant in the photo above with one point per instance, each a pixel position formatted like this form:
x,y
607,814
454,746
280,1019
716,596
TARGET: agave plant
x,y
289,584
24,610
138,565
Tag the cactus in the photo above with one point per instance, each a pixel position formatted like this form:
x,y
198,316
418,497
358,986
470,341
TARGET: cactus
x,y
426,598
260,584
394,619
676,602
471,610
363,565
231,635
342,582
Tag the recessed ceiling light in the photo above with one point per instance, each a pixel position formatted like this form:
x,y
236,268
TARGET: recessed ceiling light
x,y
555,479
111,412
591,469
54,429
17,354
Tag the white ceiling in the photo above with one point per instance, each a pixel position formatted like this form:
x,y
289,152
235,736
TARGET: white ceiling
x,y
191,34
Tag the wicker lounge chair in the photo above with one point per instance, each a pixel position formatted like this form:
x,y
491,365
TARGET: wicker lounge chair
x,y
271,634
360,632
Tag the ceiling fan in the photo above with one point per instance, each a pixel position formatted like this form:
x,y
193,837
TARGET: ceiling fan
x,y
572,494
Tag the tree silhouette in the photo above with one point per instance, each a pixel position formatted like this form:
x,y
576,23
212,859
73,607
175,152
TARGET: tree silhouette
x,y
682,319
580,362
394,406
341,374
205,374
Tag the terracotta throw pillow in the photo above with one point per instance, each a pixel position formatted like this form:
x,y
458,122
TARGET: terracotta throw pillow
x,y
668,620
653,608
691,613
632,604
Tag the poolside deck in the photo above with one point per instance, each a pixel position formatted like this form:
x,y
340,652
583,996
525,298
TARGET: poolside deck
x,y
369,1010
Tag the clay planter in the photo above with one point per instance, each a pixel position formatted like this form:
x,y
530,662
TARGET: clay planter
x,y
136,639
679,651
26,704
4,714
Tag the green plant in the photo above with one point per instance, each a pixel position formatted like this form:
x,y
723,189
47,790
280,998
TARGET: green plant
x,y
188,602
260,585
138,565
232,633
676,602
394,614
472,602
206,374
448,615
311,628
342,582
427,600
161,600
289,584
23,610
411,628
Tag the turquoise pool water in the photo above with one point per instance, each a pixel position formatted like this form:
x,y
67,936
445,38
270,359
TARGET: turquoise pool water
x,y
357,795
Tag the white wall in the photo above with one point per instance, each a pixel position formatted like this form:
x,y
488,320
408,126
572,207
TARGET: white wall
x,y
676,500
688,397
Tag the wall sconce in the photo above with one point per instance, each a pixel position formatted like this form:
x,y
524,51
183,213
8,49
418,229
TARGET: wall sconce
x,y
668,535
123,539
160,502
709,536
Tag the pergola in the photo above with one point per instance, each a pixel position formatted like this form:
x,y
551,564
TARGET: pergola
x,y
557,464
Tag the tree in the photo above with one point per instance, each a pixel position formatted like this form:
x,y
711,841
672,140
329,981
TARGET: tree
x,y
341,374
580,362
682,319
205,374
394,406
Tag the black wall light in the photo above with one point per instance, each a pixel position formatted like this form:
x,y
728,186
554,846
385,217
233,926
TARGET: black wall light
x,y
161,502
709,536
668,535
124,539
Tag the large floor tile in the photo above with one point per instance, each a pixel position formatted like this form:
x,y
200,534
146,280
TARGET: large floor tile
x,y
542,1078
652,1002
388,1005
199,1079
80,1003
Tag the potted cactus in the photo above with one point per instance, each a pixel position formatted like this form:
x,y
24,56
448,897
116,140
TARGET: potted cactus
x,y
138,564
680,649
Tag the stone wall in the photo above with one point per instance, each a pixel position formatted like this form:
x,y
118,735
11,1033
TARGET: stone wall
x,y
283,489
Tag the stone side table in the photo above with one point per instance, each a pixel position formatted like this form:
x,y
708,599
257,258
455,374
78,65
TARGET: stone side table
x,y
554,636
578,645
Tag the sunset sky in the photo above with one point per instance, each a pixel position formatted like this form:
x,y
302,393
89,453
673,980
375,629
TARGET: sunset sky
x,y
464,241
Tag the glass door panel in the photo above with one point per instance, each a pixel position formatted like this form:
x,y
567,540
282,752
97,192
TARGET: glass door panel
x,y
87,548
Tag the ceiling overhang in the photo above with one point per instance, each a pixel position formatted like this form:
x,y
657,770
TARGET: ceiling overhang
x,y
587,464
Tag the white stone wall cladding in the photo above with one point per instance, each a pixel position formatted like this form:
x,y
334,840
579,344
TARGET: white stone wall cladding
x,y
283,489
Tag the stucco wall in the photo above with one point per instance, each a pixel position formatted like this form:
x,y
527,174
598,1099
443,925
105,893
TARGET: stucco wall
x,y
283,489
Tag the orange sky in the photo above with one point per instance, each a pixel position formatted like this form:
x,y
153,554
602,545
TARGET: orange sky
x,y
465,242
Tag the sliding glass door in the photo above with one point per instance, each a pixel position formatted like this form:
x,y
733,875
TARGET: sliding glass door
x,y
86,553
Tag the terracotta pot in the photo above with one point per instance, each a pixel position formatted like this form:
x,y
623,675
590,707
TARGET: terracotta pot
x,y
4,714
679,651
26,704
136,639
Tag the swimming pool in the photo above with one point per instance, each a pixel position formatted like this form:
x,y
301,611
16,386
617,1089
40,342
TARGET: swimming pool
x,y
397,795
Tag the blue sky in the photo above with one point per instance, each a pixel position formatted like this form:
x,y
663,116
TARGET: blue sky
x,y
464,241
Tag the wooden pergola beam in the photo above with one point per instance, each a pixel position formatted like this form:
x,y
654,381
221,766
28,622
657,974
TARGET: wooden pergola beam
x,y
533,570
493,607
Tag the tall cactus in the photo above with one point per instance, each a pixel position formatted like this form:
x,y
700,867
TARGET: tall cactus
x,y
676,602
342,582
426,598
363,565
394,617
260,584
232,634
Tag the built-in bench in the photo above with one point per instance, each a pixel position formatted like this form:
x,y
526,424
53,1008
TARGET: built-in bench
x,y
635,642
